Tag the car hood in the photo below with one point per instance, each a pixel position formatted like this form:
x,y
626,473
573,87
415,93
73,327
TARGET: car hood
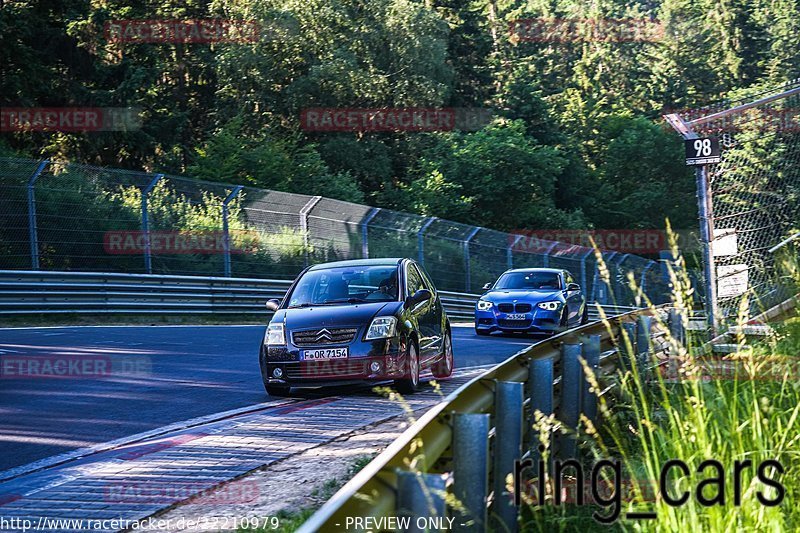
x,y
327,316
532,296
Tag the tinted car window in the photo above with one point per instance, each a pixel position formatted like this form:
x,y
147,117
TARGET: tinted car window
x,y
415,282
345,285
529,280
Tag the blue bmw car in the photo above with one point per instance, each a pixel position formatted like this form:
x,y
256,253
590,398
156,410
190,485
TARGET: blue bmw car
x,y
531,300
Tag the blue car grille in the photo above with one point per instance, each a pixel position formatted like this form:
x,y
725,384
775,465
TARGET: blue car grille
x,y
511,308
323,336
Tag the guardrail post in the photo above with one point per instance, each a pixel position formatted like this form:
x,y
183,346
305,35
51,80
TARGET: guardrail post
x,y
591,354
510,252
643,325
467,269
421,240
471,470
304,225
569,408
507,450
226,239
420,496
33,230
540,380
643,280
365,232
148,260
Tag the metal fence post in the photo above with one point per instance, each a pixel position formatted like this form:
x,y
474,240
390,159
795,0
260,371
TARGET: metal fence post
x,y
591,354
643,325
510,252
540,381
643,280
584,278
421,240
148,260
304,225
226,239
467,269
507,450
33,233
546,258
365,231
420,496
627,353
707,236
471,470
571,387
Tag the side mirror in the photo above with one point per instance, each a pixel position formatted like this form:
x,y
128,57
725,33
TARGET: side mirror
x,y
487,287
273,304
573,287
420,296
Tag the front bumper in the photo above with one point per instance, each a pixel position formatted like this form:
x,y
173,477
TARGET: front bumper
x,y
389,354
536,321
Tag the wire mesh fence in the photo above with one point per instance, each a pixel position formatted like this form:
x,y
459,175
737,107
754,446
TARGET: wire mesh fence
x,y
754,197
71,217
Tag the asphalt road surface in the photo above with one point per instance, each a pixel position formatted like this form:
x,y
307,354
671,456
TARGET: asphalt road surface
x,y
127,380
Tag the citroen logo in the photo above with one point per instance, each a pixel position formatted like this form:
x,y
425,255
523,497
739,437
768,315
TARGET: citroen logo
x,y
323,334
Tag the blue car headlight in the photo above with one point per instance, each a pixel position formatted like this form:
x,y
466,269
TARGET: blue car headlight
x,y
484,305
549,306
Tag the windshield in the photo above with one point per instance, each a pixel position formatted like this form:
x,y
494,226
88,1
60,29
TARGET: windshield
x,y
345,285
529,280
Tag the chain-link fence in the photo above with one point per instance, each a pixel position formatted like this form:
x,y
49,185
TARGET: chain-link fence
x,y
752,196
65,216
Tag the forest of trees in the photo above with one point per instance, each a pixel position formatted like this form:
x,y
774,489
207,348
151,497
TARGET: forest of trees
x,y
576,139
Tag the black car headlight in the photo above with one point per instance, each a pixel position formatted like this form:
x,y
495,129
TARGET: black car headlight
x,y
549,306
381,328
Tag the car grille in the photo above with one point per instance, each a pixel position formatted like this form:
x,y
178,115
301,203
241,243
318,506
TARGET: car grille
x,y
503,323
326,370
511,308
323,336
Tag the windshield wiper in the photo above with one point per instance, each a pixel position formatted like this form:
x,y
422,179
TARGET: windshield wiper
x,y
345,301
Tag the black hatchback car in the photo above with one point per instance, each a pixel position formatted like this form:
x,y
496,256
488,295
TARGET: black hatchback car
x,y
357,321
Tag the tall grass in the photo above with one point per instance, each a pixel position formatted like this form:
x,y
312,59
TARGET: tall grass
x,y
743,407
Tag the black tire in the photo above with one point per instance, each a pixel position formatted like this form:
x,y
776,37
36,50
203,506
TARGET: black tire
x,y
444,367
585,315
276,390
410,383
482,332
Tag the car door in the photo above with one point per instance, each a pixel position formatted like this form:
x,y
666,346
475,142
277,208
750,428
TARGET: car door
x,y
574,299
423,312
437,311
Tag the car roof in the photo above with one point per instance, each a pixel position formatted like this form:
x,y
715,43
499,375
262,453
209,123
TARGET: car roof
x,y
382,261
549,270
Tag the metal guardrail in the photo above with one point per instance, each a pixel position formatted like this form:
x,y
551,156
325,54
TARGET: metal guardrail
x,y
46,292
456,436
